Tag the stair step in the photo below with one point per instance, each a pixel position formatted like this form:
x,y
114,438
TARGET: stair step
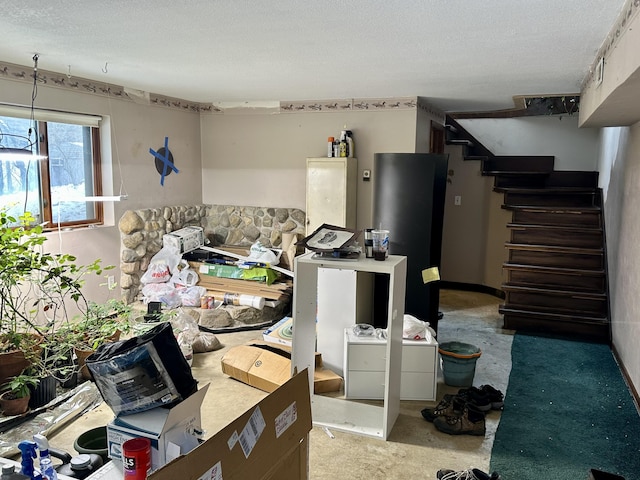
x,y
555,235
562,178
553,200
522,164
558,258
560,301
577,280
549,315
564,216
596,252
571,325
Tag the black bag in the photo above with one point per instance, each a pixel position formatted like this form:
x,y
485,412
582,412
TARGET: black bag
x,y
142,372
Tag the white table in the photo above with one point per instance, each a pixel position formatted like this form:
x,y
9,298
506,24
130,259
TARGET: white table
x,y
337,413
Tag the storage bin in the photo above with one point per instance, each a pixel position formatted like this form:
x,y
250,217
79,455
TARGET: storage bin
x,y
459,363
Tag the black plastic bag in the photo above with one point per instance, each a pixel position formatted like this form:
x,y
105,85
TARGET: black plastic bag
x,y
142,372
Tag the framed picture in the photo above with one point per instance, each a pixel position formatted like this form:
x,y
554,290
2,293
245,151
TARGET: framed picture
x,y
328,238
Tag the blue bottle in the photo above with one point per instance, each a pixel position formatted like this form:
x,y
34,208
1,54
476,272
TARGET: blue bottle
x,y
28,451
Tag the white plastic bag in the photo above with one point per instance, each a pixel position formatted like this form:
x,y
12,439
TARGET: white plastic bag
x,y
183,276
415,329
162,292
186,330
260,253
161,266
191,296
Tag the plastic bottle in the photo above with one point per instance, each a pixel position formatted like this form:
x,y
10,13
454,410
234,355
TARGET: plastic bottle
x,y
350,145
46,465
81,466
336,148
9,473
343,145
330,141
28,451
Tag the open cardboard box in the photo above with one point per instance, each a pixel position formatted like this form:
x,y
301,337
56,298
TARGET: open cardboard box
x,y
267,442
172,431
267,366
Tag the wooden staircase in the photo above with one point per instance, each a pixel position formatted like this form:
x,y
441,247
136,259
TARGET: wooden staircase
x,y
555,277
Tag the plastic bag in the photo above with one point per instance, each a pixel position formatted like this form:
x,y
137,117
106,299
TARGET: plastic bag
x,y
190,296
183,276
415,329
161,266
162,292
260,253
186,330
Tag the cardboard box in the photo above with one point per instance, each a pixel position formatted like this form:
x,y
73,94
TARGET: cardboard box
x,y
268,442
172,431
185,239
267,367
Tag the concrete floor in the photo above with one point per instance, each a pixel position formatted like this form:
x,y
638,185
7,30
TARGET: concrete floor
x,y
415,449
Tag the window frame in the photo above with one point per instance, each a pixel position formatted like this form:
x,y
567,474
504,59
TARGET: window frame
x,y
41,118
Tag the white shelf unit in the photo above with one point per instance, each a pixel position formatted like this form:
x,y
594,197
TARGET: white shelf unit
x,y
337,413
364,367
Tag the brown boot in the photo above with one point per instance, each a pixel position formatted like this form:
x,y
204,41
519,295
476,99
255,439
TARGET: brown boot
x,y
449,405
470,422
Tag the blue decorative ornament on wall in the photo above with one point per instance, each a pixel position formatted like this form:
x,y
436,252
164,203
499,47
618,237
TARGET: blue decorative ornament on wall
x,y
164,160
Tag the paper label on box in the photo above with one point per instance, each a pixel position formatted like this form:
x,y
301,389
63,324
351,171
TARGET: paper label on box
x,y
232,440
251,432
286,419
214,473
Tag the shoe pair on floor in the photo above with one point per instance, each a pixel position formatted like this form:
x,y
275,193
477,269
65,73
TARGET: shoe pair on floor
x,y
464,413
471,474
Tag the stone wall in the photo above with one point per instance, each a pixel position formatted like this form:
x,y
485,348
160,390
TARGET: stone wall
x,y
141,232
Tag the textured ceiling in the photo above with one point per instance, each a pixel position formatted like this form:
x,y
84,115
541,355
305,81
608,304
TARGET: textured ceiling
x,y
463,55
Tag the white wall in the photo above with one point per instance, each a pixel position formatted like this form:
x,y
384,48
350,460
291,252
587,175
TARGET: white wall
x,y
621,165
559,136
258,158
134,129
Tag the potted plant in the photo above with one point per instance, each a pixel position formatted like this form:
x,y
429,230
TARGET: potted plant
x,y
102,322
16,393
37,292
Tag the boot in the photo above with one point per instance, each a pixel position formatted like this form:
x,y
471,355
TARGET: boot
x,y
449,405
470,422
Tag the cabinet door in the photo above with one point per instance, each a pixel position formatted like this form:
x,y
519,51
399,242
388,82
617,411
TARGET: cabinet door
x,y
330,192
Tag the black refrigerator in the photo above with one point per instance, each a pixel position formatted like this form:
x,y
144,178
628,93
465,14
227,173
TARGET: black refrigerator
x,y
408,200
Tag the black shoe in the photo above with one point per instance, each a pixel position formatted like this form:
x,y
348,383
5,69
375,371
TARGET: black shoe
x,y
471,474
449,405
477,397
495,396
470,422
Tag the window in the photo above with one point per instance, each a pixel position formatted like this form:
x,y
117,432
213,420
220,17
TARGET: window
x,y
50,161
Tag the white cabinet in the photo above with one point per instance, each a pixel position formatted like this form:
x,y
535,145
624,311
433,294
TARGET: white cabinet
x,y
365,363
331,192
337,413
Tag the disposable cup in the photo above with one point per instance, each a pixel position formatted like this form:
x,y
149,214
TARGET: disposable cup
x,y
380,244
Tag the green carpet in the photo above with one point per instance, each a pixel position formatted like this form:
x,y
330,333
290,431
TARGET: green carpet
x,y
567,410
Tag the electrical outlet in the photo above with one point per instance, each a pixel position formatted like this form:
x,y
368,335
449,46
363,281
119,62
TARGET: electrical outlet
x,y
111,282
457,200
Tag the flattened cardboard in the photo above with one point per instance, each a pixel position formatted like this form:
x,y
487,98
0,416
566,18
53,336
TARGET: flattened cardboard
x,y
267,442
